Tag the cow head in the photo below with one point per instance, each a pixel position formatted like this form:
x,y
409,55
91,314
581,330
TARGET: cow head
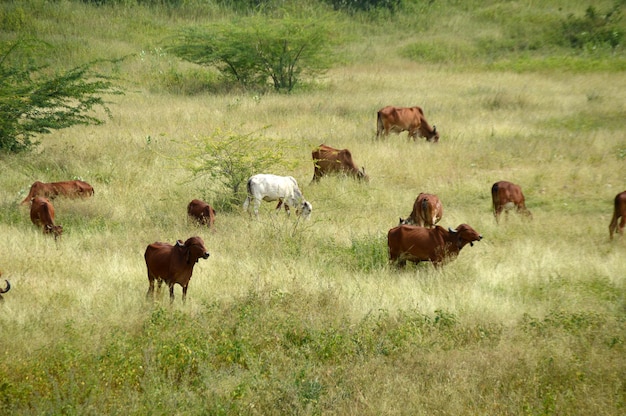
x,y
361,175
57,230
465,234
194,249
305,210
434,135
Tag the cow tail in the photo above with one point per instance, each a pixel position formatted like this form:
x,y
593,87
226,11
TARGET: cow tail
x,y
494,195
379,125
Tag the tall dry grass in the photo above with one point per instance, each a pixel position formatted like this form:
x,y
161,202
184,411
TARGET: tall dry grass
x,y
291,317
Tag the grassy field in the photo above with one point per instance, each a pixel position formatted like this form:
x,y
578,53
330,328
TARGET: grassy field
x,y
293,317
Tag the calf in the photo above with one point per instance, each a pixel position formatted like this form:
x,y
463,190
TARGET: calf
x,y
283,189
427,211
173,264
507,196
327,160
42,215
618,211
70,189
415,244
201,212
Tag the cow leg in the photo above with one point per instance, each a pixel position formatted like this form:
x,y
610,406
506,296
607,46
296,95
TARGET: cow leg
x,y
622,224
257,204
150,294
171,292
184,293
280,204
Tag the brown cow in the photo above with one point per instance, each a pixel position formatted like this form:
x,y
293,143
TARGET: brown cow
x,y
328,160
173,264
70,189
427,211
619,211
4,290
42,215
415,244
506,196
399,119
201,212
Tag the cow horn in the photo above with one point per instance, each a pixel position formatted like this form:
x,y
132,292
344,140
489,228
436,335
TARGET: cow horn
x,y
452,231
179,243
7,289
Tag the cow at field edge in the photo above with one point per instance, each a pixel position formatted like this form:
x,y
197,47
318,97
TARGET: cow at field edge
x,y
201,212
619,211
42,215
70,189
328,160
415,244
284,189
427,211
507,196
4,290
399,119
173,264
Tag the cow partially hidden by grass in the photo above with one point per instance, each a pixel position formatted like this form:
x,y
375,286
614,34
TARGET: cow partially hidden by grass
x,y
284,189
173,264
399,119
618,211
427,211
42,215
437,245
70,189
328,160
507,196
201,212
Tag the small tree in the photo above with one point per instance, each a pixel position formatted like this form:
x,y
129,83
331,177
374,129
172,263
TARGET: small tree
x,y
257,51
228,159
33,102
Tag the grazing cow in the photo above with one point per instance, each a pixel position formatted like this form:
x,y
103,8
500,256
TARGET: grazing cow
x,y
506,196
70,189
42,215
201,212
330,160
4,290
173,264
399,119
619,211
283,189
415,244
427,211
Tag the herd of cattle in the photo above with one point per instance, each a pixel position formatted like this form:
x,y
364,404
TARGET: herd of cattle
x,y
416,238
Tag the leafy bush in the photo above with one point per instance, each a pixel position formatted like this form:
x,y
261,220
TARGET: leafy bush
x,y
33,102
594,29
258,52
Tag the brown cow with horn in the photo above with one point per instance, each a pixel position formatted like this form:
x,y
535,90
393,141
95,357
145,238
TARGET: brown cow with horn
x,y
173,264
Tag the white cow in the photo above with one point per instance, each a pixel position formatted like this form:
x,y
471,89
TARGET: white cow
x,y
283,189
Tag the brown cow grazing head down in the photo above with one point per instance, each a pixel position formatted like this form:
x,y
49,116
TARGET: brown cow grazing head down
x,y
4,290
70,189
173,264
399,119
427,211
618,211
201,212
416,244
42,215
328,160
507,196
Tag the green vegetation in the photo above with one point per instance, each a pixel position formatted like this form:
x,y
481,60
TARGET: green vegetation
x,y
308,317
